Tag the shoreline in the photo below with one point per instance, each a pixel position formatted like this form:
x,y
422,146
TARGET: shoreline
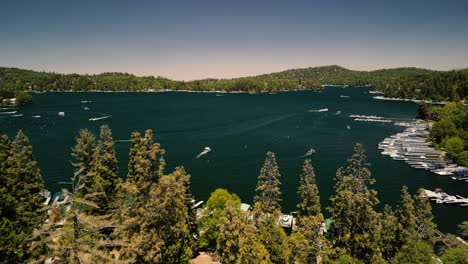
x,y
380,97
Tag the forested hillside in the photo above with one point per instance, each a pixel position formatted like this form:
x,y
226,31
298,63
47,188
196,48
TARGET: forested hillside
x,y
399,82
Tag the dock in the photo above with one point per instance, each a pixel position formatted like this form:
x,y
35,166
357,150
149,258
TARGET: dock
x,y
443,198
412,147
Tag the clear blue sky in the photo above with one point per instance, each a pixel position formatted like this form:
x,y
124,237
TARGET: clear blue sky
x,y
199,38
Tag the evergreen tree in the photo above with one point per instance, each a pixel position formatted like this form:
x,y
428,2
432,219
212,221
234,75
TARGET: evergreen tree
x,y
22,209
307,240
104,172
309,199
406,218
389,242
231,230
73,235
425,227
213,211
268,197
83,153
159,231
356,225
146,163
237,241
415,252
273,237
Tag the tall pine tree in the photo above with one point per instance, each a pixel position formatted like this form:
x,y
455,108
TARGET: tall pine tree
x,y
83,154
104,172
356,225
22,208
309,199
268,197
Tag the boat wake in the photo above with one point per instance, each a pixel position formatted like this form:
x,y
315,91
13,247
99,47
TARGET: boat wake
x,y
204,152
371,118
98,118
318,110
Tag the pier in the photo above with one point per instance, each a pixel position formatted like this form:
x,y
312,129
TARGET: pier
x,y
411,146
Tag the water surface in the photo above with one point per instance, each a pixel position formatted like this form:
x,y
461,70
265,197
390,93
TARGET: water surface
x,y
240,129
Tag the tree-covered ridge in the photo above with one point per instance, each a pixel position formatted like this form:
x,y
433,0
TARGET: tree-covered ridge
x,y
150,216
399,82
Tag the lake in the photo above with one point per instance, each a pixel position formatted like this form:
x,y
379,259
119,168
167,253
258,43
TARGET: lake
x,y
240,129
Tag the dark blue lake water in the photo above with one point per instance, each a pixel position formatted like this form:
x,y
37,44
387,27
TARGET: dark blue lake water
x,y
240,129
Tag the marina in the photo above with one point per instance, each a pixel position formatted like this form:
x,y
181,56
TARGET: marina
x,y
440,197
411,146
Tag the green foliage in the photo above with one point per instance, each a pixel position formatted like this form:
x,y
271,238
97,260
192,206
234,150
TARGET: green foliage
x,y
23,98
20,200
463,227
399,82
159,230
415,252
415,218
146,162
356,225
83,154
308,242
389,241
309,199
237,242
104,171
268,195
210,221
274,239
456,255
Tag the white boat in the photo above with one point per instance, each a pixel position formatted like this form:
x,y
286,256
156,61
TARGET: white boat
x,y
98,118
36,116
345,96
86,108
204,152
8,113
61,113
338,112
310,152
348,127
319,110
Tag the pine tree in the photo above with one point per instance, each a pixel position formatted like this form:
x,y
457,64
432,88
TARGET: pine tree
x,y
83,153
406,214
237,241
146,163
159,230
268,197
356,225
389,234
307,240
104,172
273,237
231,230
425,227
309,199
78,237
22,209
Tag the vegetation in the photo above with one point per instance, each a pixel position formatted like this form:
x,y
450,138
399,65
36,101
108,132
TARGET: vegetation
x,y
450,129
399,82
149,216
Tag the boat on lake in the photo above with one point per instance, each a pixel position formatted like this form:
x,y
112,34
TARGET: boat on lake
x,y
98,118
310,152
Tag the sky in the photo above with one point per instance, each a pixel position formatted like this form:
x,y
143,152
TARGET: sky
x,y
195,39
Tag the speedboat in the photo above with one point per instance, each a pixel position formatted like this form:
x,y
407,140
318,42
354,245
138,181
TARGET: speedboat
x,y
310,152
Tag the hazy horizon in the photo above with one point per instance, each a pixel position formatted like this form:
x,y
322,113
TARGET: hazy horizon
x,y
186,40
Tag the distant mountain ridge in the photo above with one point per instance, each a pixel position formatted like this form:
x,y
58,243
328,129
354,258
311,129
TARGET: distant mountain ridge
x,y
407,82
